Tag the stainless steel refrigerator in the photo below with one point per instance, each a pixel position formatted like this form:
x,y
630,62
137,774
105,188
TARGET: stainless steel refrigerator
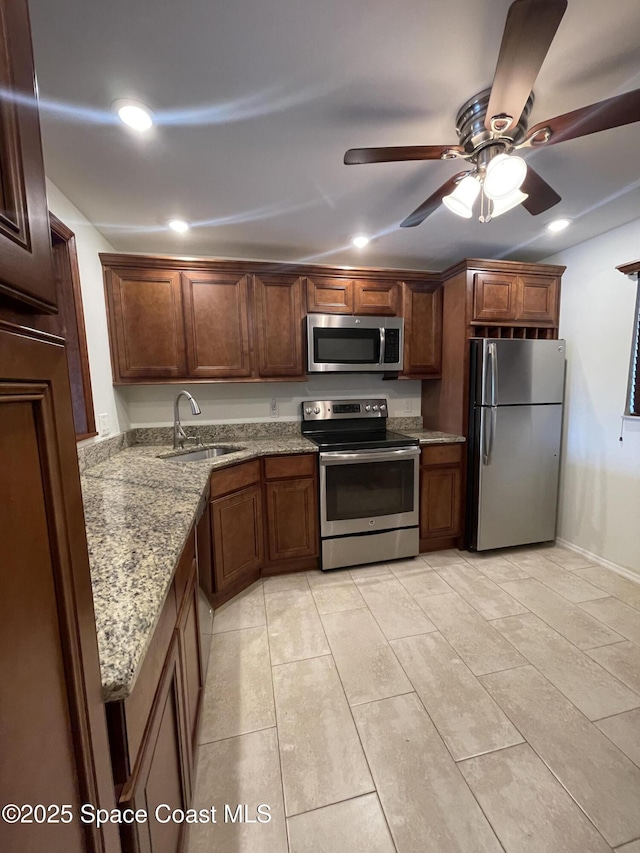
x,y
515,426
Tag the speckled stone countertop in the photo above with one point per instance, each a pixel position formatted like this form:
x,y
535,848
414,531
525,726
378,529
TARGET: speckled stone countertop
x,y
430,436
139,508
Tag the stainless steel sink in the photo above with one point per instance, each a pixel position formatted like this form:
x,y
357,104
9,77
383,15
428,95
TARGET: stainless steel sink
x,y
197,454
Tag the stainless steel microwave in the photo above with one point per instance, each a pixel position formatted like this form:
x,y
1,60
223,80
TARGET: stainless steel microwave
x,y
344,344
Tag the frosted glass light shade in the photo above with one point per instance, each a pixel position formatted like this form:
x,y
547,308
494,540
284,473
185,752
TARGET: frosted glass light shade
x,y
461,200
502,205
505,174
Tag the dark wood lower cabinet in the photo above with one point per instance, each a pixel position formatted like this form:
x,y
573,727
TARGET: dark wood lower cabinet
x,y
238,549
441,496
292,524
153,732
161,776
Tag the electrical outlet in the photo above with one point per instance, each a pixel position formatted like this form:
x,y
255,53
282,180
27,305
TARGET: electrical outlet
x,y
104,424
408,406
273,408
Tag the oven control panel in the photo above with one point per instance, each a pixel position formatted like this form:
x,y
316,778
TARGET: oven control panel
x,y
322,410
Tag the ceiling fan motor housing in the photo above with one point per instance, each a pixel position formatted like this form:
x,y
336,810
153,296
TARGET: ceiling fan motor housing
x,y
474,136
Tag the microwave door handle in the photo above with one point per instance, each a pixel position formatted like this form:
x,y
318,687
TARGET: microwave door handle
x,y
382,335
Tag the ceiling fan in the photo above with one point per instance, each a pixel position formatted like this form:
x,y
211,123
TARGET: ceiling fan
x,y
494,123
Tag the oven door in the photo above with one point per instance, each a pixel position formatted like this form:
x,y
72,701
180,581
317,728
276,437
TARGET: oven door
x,y
365,491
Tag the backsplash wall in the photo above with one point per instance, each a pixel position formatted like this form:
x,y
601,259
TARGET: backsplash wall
x,y
152,405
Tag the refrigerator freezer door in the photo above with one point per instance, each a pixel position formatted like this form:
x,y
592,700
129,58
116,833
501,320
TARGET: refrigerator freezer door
x,y
514,372
518,478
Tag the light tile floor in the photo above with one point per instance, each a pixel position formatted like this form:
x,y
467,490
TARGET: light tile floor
x,y
449,704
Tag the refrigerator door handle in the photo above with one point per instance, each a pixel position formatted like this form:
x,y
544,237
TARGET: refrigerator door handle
x,y
493,353
489,433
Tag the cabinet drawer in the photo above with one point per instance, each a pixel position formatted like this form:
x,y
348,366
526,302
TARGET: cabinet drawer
x,y
441,454
280,467
232,479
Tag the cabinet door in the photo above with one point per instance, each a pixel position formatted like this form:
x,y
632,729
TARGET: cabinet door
x,y
328,295
422,311
236,522
53,732
217,325
376,297
278,325
440,502
292,514
160,776
538,299
26,265
495,297
205,561
190,667
146,325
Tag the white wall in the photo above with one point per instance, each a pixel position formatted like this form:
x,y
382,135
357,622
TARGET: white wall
x,y
88,243
600,475
152,405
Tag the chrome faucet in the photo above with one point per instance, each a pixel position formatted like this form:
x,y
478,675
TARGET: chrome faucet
x,y
179,435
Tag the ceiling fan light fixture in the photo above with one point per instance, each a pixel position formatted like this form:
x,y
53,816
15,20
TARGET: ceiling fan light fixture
x,y
461,200
505,174
502,205
360,241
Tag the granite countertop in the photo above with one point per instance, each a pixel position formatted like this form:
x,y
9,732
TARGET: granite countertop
x,y
138,511
139,508
430,436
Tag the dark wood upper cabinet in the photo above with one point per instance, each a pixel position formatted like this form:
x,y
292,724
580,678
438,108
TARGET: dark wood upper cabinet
x,y
145,324
217,330
495,297
510,298
26,267
538,299
422,312
278,323
377,298
329,295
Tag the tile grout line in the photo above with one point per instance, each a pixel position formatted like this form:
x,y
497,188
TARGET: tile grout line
x,y
275,714
355,726
550,769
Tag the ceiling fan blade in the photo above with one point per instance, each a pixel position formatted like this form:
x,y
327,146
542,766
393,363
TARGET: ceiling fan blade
x,y
614,112
528,33
541,196
432,203
402,152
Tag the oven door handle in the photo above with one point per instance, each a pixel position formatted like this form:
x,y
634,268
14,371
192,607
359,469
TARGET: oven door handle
x,y
340,457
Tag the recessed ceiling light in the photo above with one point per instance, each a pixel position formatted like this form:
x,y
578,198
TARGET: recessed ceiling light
x,y
134,115
360,242
179,225
558,225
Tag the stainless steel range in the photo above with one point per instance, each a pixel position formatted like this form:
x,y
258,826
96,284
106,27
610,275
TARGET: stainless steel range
x,y
368,482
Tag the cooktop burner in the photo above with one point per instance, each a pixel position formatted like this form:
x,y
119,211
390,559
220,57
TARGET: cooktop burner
x,y
341,425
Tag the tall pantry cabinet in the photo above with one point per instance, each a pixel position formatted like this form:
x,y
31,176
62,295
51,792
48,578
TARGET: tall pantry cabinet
x,y
52,724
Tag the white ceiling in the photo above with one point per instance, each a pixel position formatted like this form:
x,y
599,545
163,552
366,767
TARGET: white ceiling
x,y
259,99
